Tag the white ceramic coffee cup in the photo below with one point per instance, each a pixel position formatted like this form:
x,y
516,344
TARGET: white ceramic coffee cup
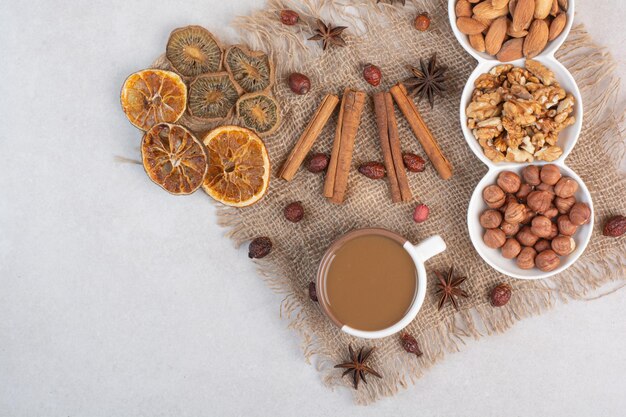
x,y
419,253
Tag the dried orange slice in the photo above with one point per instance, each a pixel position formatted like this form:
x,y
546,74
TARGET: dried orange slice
x,y
173,158
153,96
239,167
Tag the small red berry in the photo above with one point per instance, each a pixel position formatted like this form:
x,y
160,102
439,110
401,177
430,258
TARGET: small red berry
x,y
372,74
420,214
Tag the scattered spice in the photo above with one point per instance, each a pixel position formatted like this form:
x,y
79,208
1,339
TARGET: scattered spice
x,y
357,366
372,74
422,22
373,170
259,248
500,295
299,83
329,35
317,163
420,215
409,344
413,163
289,17
448,288
294,212
428,81
312,291
615,226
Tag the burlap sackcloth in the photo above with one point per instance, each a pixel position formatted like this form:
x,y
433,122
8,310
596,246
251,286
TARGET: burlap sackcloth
x,y
383,34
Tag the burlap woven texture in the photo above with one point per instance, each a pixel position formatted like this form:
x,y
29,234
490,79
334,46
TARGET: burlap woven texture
x,y
383,34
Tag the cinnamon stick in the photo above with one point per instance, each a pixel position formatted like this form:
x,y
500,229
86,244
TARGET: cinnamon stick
x,y
390,145
336,183
308,137
421,131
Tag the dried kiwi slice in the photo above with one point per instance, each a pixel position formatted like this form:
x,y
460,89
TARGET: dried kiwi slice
x,y
213,96
259,112
252,70
193,50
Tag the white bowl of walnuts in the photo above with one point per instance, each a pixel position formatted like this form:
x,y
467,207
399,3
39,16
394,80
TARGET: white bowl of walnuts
x,y
532,221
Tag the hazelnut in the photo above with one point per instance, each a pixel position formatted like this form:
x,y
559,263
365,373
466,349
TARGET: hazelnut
x,y
545,187
566,227
541,245
490,219
563,245
566,187
509,182
564,205
299,83
526,237
541,226
500,295
531,175
530,215
580,214
510,229
539,201
510,198
494,238
523,192
550,174
551,213
515,212
547,260
555,231
511,248
494,196
526,258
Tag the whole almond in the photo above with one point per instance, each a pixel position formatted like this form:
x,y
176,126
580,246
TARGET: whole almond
x,y
537,38
474,1
520,34
554,10
484,21
542,8
563,4
486,10
511,50
495,35
498,4
469,26
512,4
477,41
523,15
463,8
557,26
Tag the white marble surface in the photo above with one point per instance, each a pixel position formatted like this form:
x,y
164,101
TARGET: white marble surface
x,y
117,300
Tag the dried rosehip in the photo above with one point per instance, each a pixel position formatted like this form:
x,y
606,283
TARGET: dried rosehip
x,y
500,295
615,226
410,344
421,213
312,291
414,163
259,248
299,83
422,22
372,74
373,170
317,163
294,212
289,17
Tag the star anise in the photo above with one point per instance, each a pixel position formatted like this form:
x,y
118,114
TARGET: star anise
x,y
403,2
428,81
329,35
357,366
448,288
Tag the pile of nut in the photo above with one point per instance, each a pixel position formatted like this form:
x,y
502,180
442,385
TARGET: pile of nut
x,y
516,113
511,29
532,218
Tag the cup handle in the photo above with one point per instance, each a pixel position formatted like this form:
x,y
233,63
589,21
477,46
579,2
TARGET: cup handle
x,y
430,247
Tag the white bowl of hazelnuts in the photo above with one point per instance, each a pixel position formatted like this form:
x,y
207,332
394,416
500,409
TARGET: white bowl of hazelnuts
x,y
530,221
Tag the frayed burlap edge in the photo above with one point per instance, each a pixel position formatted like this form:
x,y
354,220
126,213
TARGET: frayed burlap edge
x,y
592,67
